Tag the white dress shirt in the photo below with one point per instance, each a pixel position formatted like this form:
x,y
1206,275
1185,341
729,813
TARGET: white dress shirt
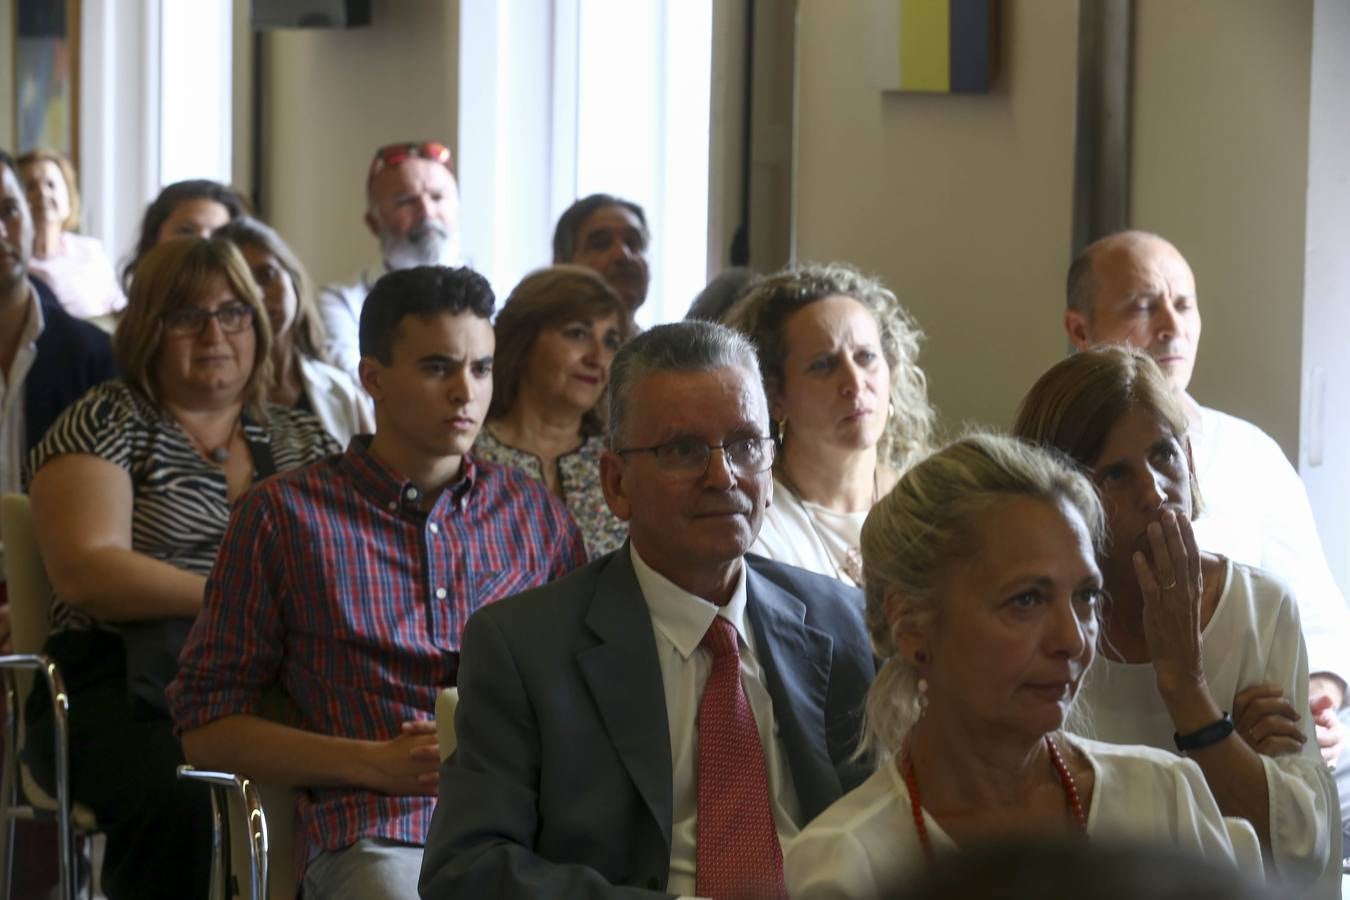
x,y
679,620
1256,512
340,308
13,422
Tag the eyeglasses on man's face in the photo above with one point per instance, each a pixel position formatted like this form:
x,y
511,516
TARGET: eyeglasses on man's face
x,y
689,456
190,321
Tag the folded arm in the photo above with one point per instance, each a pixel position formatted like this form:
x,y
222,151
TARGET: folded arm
x,y
403,765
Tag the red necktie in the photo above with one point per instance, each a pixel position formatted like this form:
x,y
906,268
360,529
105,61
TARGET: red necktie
x,y
738,856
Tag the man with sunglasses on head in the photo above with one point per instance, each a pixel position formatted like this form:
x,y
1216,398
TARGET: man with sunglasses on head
x,y
348,584
664,718
412,209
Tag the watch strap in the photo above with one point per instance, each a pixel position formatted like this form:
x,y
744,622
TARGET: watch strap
x,y
1204,737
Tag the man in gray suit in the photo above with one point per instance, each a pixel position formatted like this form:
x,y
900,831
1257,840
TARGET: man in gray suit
x,y
609,744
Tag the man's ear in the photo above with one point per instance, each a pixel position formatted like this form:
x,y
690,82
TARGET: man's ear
x,y
371,373
1077,326
611,480
372,223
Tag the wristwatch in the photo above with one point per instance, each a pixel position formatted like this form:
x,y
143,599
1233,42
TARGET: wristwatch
x,y
1204,737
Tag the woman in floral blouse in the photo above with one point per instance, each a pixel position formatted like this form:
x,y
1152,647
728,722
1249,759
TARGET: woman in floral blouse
x,y
556,337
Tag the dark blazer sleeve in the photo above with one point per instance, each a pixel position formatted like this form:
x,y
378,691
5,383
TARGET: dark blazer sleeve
x,y
852,670
72,357
486,821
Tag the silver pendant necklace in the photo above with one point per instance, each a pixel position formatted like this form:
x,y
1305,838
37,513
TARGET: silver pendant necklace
x,y
218,455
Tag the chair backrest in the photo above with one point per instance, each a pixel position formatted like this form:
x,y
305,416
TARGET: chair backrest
x,y
446,703
30,593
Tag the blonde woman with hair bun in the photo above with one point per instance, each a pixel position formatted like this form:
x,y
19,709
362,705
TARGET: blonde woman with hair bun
x,y
983,601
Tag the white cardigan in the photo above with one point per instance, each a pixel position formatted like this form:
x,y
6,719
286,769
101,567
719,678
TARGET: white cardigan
x,y
338,402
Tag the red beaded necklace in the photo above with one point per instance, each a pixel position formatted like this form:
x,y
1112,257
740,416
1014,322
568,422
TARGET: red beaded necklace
x,y
1061,769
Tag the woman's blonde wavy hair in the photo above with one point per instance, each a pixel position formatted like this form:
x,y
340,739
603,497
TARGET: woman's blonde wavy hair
x,y
762,314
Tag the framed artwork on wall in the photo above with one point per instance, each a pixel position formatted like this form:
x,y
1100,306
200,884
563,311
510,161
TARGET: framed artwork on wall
x,y
46,76
932,46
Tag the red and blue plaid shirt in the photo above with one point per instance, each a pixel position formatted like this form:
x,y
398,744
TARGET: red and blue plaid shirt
x,y
333,584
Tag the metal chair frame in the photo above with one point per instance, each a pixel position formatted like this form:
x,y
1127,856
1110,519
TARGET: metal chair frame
x,y
12,807
225,786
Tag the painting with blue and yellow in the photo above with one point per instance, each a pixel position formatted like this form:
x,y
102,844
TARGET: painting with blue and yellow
x,y
932,46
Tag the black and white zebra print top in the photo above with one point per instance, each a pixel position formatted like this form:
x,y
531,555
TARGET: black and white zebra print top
x,y
180,507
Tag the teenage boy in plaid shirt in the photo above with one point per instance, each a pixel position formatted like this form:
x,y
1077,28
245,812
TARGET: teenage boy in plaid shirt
x,y
348,583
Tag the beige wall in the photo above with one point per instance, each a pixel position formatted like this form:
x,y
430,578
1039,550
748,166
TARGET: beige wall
x,y
7,135
962,204
1220,168
332,97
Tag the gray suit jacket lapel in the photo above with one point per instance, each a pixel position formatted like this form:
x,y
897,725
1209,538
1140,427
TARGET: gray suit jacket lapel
x,y
624,677
796,661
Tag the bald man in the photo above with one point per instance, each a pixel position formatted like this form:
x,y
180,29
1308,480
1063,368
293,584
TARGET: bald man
x,y
1135,288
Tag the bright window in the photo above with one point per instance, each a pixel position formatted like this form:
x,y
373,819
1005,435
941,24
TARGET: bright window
x,y
564,98
195,90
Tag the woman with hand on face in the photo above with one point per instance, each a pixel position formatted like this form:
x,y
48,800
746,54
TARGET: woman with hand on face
x,y
192,208
302,377
131,493
556,336
849,403
74,265
1203,656
983,598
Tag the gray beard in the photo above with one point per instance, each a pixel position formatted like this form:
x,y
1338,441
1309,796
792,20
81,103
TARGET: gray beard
x,y
429,244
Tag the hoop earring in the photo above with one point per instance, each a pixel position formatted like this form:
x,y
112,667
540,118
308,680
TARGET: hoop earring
x,y
782,429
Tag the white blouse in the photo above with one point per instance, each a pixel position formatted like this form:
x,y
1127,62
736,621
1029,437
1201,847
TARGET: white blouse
x,y
866,845
809,536
1253,638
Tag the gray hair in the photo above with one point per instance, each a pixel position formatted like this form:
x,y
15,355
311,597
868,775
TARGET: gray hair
x,y
914,533
690,346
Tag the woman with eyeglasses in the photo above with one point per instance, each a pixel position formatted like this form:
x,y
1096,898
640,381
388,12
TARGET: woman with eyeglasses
x,y
556,336
302,376
1201,655
849,404
131,493
984,603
